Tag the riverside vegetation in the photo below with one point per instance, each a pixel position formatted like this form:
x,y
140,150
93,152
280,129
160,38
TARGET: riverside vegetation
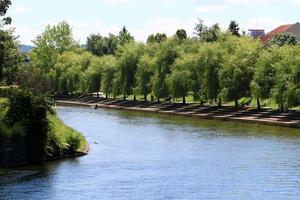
x,y
25,114
213,67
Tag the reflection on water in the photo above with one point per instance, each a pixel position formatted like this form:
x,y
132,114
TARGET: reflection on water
x,y
150,156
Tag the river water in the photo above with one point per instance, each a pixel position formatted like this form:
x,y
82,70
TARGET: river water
x,y
149,156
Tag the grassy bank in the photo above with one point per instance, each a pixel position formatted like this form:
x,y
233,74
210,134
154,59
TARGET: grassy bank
x,y
31,128
64,139
3,172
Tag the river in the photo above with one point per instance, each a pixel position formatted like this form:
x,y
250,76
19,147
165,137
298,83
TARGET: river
x,y
141,156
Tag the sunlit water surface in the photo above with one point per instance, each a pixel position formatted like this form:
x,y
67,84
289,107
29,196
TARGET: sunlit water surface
x,y
148,156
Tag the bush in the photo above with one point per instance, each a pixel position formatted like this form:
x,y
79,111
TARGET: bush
x,y
5,133
27,113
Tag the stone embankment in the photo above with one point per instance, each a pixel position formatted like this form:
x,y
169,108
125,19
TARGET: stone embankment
x,y
250,115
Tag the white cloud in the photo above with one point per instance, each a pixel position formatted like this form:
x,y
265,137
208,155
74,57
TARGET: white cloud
x,y
210,8
21,8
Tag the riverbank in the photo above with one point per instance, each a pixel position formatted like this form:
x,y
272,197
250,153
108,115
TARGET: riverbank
x,y
249,115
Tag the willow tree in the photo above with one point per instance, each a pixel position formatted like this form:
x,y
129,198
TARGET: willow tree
x,y
238,67
109,69
264,74
210,59
144,74
165,58
128,58
286,91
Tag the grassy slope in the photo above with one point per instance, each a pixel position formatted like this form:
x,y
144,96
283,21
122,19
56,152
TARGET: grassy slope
x,y
65,138
3,172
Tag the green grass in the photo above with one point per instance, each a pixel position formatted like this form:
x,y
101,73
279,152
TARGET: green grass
x,y
63,138
3,172
267,103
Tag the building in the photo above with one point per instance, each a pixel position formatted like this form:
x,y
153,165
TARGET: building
x,y
256,33
287,28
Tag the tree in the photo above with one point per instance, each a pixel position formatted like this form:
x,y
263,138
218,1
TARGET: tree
x,y
180,82
234,28
9,54
124,37
4,5
165,58
210,59
53,41
264,74
282,39
108,74
181,34
100,46
286,91
128,57
10,57
207,34
158,38
238,67
144,74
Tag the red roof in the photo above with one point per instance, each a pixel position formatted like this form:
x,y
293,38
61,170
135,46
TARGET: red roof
x,y
281,29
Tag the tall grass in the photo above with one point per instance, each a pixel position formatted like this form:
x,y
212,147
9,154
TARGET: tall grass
x,y
63,139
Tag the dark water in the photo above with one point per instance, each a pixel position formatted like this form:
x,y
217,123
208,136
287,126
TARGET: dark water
x,y
148,156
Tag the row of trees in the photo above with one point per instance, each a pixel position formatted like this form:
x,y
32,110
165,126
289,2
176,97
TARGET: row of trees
x,y
213,67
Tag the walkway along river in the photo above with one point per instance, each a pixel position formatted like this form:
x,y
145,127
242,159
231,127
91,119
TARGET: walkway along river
x,y
151,156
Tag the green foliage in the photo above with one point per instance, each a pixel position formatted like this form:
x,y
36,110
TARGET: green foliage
x,y
5,132
214,67
9,56
286,91
158,38
128,58
30,111
238,67
181,34
124,37
144,74
165,58
207,34
234,28
51,43
4,5
63,139
100,46
180,83
282,39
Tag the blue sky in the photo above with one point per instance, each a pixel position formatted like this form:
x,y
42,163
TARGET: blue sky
x,y
143,17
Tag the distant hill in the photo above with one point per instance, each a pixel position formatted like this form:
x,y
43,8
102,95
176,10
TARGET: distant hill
x,y
25,48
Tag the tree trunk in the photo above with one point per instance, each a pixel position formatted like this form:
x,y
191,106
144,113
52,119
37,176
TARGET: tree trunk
x,y
97,94
281,107
202,103
158,100
124,97
258,104
236,103
134,97
183,100
145,97
219,104
106,96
